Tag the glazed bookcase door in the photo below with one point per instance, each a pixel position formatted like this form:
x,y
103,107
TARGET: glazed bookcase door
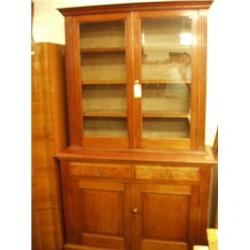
x,y
104,80
166,75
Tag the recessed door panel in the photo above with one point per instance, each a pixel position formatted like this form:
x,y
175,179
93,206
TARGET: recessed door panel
x,y
165,216
101,212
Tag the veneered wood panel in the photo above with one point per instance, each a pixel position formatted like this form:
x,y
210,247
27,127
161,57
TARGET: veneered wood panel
x,y
168,144
70,207
119,171
165,216
175,5
198,87
112,143
96,240
46,229
80,247
101,212
163,245
72,59
48,137
45,188
204,212
150,172
172,157
97,211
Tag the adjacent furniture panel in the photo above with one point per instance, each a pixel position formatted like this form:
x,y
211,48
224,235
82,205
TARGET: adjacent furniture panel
x,y
49,135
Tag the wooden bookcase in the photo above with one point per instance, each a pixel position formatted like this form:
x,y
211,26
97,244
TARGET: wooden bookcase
x,y
136,173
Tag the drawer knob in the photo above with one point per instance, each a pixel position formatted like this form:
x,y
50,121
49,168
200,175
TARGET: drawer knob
x,y
98,172
166,174
135,210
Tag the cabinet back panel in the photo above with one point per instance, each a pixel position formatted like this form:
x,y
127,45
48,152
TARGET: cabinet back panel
x,y
107,66
165,98
104,98
160,128
105,127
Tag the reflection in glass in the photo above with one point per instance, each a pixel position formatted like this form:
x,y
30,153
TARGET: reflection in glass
x,y
166,77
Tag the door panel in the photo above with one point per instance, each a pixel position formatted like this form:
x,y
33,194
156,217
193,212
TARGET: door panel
x,y
166,216
104,79
169,222
94,221
165,42
103,214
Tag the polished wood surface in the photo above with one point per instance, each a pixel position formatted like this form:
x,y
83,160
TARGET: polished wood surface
x,y
117,171
126,185
72,62
154,172
48,137
164,206
175,5
97,211
174,157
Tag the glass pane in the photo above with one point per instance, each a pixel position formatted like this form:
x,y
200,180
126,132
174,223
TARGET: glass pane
x,y
105,127
104,98
157,128
102,35
103,79
166,98
166,77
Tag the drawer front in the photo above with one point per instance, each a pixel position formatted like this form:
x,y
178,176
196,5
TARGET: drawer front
x,y
154,172
119,171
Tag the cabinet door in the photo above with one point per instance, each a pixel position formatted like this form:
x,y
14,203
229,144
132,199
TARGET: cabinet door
x,y
166,61
165,216
96,210
101,83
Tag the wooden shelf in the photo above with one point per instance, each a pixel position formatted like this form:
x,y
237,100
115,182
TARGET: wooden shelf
x,y
154,114
103,82
162,81
119,114
166,47
103,50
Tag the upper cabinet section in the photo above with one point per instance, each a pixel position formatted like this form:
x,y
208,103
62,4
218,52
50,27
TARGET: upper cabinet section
x,y
136,75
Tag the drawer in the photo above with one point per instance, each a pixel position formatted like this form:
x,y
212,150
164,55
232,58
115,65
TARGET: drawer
x,y
119,171
155,172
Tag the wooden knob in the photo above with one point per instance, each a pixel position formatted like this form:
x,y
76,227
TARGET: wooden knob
x,y
135,210
98,172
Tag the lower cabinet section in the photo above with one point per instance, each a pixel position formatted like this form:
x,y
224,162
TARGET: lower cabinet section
x,y
97,211
137,207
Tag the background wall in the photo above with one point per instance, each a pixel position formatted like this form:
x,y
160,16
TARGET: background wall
x,y
48,26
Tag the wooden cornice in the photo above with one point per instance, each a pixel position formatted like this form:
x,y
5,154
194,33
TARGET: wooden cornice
x,y
114,8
